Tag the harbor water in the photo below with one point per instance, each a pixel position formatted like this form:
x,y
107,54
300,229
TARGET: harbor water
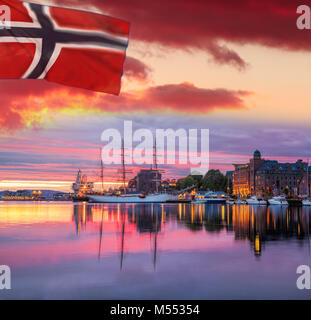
x,y
61,250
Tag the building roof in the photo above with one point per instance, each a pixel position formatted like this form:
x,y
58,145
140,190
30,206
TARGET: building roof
x,y
273,165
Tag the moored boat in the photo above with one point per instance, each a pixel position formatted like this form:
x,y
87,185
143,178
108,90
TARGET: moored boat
x,y
278,200
239,201
133,198
213,197
256,201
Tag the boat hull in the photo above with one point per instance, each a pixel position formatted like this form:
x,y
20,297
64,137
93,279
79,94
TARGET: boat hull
x,y
239,202
216,201
278,203
198,202
258,203
158,198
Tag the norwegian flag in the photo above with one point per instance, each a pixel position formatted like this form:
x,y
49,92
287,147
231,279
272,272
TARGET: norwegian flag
x,y
69,47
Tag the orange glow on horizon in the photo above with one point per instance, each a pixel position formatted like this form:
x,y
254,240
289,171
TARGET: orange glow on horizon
x,y
64,186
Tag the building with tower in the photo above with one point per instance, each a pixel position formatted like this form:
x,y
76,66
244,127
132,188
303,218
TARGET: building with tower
x,y
260,177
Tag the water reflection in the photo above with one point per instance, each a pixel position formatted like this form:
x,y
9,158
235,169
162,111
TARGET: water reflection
x,y
257,225
146,218
170,251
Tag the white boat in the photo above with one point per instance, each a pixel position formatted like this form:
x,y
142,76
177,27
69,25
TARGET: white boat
x,y
213,197
156,197
306,202
256,201
199,199
230,201
239,202
279,200
133,198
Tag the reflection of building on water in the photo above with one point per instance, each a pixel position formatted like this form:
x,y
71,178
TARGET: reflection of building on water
x,y
147,216
82,213
257,225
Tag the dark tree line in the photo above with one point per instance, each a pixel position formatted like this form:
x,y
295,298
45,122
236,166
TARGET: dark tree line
x,y
213,180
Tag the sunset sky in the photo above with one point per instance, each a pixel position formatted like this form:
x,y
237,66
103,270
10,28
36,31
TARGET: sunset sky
x,y
241,69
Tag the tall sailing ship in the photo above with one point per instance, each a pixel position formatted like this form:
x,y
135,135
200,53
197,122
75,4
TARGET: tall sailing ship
x,y
156,196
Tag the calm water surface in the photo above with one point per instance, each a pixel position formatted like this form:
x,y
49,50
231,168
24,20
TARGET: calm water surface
x,y
144,251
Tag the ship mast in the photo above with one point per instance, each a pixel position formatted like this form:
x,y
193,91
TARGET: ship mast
x,y
102,172
123,171
123,166
155,164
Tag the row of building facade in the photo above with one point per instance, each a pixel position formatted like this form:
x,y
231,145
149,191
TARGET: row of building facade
x,y
260,177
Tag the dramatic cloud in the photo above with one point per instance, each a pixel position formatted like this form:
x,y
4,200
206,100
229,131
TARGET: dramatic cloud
x,y
135,69
21,104
187,97
223,55
202,24
28,106
17,95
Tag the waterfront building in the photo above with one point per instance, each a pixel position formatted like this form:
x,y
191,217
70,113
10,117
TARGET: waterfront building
x,y
166,185
132,185
19,195
305,184
260,177
229,175
149,181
